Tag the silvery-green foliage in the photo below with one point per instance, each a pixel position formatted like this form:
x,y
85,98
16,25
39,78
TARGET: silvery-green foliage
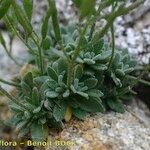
x,y
76,68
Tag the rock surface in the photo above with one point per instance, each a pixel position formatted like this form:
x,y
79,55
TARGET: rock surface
x,y
109,131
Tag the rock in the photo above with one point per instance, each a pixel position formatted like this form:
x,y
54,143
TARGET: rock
x,y
8,69
110,131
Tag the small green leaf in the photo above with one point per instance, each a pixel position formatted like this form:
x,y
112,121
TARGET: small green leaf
x,y
48,105
52,73
73,89
77,3
46,43
98,47
29,106
80,114
28,79
16,108
44,28
116,105
91,82
66,93
60,79
42,120
21,17
97,57
105,56
59,90
2,40
21,124
95,93
62,65
25,88
99,67
52,94
84,42
44,87
27,114
4,6
23,132
89,61
59,112
76,82
82,89
120,72
55,20
83,95
89,9
28,7
116,80
116,59
38,81
37,132
78,71
35,96
92,104
129,70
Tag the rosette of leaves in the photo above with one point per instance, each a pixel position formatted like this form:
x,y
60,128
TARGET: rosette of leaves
x,y
116,82
33,117
86,96
121,66
94,56
80,98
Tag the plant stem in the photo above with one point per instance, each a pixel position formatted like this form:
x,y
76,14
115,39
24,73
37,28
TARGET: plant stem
x,y
56,26
113,41
2,41
11,26
40,55
111,18
9,83
89,21
113,46
11,57
91,31
3,91
70,73
140,81
82,33
63,49
77,51
55,22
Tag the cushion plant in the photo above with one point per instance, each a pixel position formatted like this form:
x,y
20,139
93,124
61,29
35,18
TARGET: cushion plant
x,y
73,71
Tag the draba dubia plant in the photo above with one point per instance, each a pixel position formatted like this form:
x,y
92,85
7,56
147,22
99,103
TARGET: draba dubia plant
x,y
73,71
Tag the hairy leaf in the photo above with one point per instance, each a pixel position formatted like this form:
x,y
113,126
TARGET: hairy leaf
x,y
37,132
115,105
78,71
59,111
52,73
91,82
90,105
80,114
